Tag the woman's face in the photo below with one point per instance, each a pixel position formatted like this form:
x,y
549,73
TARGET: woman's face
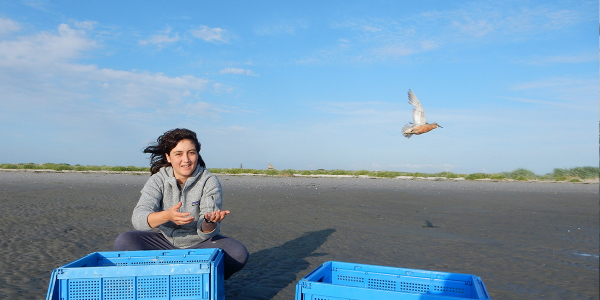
x,y
183,158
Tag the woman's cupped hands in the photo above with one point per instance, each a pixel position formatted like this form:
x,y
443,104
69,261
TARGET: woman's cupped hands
x,y
182,218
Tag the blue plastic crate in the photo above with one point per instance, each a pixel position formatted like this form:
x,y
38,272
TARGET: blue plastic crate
x,y
347,281
148,275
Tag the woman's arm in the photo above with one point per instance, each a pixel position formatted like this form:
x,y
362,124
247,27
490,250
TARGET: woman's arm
x,y
149,202
156,219
149,213
210,206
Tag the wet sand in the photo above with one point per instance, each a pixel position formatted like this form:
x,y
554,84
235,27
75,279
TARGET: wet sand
x,y
525,240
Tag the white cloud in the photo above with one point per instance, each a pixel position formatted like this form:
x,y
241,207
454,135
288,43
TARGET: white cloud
x,y
283,27
544,84
480,19
363,114
8,26
371,28
87,25
536,101
237,71
558,84
40,5
45,47
389,39
473,28
563,59
200,109
212,35
238,128
554,19
353,108
221,88
562,91
39,76
161,39
394,51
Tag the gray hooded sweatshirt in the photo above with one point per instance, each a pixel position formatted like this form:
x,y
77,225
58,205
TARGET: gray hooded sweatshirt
x,y
200,194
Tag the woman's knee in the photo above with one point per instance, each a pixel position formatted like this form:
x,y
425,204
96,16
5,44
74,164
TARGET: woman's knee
x,y
236,250
235,254
124,241
235,259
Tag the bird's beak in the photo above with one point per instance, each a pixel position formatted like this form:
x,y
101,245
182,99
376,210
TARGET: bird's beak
x,y
440,126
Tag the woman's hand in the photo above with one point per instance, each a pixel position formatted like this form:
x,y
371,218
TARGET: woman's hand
x,y
177,217
214,217
172,214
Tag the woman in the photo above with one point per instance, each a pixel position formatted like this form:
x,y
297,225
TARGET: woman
x,y
183,200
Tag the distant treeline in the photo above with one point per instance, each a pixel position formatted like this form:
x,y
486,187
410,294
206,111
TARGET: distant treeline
x,y
67,167
572,174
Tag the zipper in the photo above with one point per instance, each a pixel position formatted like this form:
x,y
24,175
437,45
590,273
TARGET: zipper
x,y
180,200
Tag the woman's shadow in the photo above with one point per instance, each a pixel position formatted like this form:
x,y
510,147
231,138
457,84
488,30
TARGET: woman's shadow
x,y
271,270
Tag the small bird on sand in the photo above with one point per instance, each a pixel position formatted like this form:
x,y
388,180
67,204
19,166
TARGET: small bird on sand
x,y
419,124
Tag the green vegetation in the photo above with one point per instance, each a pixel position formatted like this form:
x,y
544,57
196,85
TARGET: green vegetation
x,y
67,167
577,174
581,172
521,174
477,176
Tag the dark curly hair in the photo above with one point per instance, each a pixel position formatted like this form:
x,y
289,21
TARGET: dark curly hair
x,y
165,143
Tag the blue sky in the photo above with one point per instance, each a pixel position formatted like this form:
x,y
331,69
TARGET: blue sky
x,y
304,84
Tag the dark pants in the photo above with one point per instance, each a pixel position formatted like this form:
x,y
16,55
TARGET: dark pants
x,y
234,258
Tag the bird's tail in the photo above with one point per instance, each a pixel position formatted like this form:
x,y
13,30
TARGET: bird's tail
x,y
406,131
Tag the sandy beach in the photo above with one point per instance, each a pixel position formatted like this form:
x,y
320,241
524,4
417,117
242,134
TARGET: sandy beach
x,y
525,240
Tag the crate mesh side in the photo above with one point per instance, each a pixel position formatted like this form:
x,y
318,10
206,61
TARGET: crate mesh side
x,y
186,286
142,263
348,278
202,261
413,287
381,284
153,287
319,297
407,281
454,289
107,262
85,289
146,261
172,261
119,288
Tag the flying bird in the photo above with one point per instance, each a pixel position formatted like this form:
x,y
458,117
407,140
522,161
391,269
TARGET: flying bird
x,y
419,124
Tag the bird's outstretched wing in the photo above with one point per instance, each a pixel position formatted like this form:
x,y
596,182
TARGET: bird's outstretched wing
x,y
418,112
